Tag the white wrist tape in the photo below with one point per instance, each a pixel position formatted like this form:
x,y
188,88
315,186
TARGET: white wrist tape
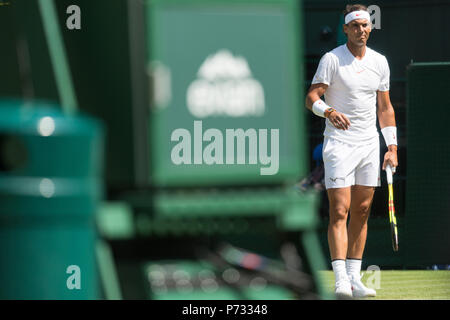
x,y
390,135
319,108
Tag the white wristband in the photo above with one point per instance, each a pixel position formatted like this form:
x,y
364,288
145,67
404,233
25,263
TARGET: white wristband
x,y
390,135
319,108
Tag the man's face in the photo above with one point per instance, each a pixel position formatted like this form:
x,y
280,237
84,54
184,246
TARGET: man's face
x,y
358,31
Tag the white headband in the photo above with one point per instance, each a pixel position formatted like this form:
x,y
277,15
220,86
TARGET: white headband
x,y
357,15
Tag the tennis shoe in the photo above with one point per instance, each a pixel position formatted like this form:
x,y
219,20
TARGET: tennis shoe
x,y
343,289
359,290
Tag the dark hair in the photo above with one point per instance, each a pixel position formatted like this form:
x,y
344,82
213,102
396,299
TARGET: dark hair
x,y
354,7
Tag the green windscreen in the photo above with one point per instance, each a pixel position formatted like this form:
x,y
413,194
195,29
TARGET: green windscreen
x,y
428,173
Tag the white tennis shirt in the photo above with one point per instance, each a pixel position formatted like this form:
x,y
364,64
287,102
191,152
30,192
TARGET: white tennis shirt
x,y
352,90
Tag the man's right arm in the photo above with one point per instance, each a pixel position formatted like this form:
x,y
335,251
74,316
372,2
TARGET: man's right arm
x,y
317,90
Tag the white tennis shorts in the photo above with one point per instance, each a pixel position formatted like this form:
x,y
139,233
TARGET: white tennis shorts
x,y
347,164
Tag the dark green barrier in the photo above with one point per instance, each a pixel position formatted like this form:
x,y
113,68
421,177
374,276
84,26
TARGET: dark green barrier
x,y
427,190
50,185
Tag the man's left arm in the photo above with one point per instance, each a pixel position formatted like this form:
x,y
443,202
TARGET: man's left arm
x,y
386,118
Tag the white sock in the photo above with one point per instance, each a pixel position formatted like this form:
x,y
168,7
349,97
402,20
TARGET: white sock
x,y
339,270
353,267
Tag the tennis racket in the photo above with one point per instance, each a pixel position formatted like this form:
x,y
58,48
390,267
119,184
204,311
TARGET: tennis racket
x,y
392,219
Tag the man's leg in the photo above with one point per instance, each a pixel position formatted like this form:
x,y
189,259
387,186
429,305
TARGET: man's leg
x,y
361,202
339,199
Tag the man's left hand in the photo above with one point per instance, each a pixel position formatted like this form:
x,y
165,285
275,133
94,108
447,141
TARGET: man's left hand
x,y
390,158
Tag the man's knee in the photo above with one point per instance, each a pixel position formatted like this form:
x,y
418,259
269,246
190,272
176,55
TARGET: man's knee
x,y
338,214
362,209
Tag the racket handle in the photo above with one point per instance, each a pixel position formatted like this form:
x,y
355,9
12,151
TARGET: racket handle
x,y
389,174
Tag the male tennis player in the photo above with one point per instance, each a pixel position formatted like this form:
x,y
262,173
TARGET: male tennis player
x,y
353,78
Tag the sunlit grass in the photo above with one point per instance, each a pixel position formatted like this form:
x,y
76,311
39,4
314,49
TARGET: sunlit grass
x,y
404,284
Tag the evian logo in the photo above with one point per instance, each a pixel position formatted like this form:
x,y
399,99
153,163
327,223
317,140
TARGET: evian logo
x,y
225,87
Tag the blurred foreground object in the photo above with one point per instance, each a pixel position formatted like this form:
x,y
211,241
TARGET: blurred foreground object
x,y
228,272
50,187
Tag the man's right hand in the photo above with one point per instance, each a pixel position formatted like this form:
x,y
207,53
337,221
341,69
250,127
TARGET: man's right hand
x,y
339,120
